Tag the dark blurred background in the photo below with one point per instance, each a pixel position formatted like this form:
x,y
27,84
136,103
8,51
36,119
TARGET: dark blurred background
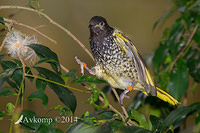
x,y
134,17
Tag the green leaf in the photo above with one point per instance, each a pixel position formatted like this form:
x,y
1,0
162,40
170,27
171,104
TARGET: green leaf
x,y
18,62
39,95
28,71
13,85
66,96
140,118
107,115
46,60
2,56
2,80
2,114
5,91
156,124
162,17
71,74
30,126
63,111
8,65
179,80
159,57
175,115
2,35
86,79
94,97
34,1
193,62
196,36
58,130
14,71
44,52
134,129
81,127
2,20
174,38
197,119
10,108
45,128
18,77
89,120
115,126
41,85
164,78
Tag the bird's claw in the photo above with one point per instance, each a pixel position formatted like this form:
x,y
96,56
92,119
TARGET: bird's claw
x,y
81,65
122,96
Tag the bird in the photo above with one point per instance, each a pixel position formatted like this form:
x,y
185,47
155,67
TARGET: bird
x,y
119,62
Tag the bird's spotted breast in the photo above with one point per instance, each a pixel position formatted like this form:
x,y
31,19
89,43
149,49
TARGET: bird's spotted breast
x,y
112,60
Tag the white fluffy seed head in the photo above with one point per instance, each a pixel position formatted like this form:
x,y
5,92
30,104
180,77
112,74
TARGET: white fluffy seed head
x,y
17,45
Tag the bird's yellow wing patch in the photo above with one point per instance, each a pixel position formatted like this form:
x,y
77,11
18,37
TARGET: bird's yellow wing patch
x,y
149,78
144,75
125,39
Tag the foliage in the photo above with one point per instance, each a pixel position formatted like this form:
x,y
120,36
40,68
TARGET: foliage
x,y
176,58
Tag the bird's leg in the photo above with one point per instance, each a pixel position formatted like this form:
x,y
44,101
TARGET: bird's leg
x,y
124,95
83,65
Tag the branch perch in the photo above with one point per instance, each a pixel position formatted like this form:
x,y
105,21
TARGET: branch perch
x,y
184,48
29,27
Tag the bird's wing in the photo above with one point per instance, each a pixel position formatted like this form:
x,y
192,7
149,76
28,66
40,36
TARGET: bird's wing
x,y
144,75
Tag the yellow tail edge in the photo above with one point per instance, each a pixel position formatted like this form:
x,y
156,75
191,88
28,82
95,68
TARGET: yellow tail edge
x,y
165,96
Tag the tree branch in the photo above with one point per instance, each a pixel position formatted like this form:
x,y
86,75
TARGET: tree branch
x,y
29,27
123,108
184,48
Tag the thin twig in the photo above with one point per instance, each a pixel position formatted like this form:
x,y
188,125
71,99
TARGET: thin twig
x,y
4,41
23,64
113,109
29,27
123,108
184,48
64,68
21,91
130,122
52,22
54,82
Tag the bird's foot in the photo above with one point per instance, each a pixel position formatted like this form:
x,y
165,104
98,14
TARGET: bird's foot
x,y
83,65
122,96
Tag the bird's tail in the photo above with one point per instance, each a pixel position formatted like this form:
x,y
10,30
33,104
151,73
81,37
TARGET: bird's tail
x,y
166,96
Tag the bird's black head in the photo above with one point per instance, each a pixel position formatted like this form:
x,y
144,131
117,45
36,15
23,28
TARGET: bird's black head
x,y
99,26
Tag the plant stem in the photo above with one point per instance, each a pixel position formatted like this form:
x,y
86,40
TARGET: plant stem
x,y
17,100
66,86
184,48
4,41
123,108
117,96
29,27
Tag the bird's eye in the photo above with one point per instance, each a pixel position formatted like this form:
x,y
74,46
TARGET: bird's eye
x,y
101,23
